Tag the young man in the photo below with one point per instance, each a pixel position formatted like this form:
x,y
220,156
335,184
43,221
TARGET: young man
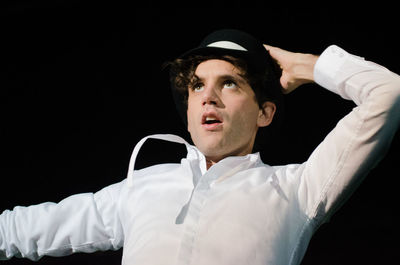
x,y
222,204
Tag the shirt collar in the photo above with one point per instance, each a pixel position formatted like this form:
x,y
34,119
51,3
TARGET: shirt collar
x,y
223,169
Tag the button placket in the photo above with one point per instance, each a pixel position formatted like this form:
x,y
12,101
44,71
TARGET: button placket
x,y
192,219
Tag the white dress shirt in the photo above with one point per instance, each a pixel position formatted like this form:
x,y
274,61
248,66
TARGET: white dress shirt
x,y
240,211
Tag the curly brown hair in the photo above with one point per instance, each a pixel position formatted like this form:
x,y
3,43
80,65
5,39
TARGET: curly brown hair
x,y
182,75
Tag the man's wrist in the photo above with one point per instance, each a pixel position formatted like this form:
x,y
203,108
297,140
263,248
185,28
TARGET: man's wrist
x,y
305,68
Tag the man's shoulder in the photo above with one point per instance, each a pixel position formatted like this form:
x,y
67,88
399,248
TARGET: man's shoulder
x,y
288,170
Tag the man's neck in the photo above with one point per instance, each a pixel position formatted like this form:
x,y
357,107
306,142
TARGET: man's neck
x,y
209,163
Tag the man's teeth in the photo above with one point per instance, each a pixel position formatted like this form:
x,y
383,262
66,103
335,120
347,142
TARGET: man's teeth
x,y
210,120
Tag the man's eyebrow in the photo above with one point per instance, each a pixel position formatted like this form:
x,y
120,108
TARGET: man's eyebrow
x,y
195,78
237,78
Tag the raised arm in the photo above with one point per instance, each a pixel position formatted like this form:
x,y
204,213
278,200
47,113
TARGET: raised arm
x,y
360,139
80,223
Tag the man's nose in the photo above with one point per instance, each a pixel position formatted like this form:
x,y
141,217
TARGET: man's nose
x,y
210,96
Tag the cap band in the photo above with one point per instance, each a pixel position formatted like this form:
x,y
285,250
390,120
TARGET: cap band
x,y
227,45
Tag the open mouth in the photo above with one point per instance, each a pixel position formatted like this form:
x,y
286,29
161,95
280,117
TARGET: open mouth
x,y
211,120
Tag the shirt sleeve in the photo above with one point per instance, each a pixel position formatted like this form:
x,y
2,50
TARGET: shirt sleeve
x,y
360,140
80,223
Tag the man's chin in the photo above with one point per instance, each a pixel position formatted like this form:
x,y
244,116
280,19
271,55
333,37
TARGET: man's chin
x,y
212,150
217,150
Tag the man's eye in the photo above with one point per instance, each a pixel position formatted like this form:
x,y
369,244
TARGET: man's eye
x,y
229,84
198,87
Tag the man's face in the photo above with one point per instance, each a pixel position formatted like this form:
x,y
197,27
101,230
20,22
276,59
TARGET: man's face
x,y
223,115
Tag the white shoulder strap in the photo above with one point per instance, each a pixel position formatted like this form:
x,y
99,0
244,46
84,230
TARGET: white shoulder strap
x,y
165,137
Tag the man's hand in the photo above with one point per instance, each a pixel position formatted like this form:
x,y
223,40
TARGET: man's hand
x,y
297,68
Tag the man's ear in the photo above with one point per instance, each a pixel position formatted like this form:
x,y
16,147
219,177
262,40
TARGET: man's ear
x,y
266,114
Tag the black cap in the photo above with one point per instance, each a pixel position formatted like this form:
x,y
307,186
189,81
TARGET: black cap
x,y
235,43
242,45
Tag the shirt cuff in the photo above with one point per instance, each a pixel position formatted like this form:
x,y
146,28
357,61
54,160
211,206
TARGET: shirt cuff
x,y
328,65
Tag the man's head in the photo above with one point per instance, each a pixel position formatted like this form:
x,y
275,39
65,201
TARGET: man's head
x,y
226,90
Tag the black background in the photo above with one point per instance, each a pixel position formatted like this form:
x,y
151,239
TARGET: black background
x,y
81,83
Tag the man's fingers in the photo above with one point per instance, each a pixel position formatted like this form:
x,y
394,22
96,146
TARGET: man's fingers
x,y
276,53
268,47
271,49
